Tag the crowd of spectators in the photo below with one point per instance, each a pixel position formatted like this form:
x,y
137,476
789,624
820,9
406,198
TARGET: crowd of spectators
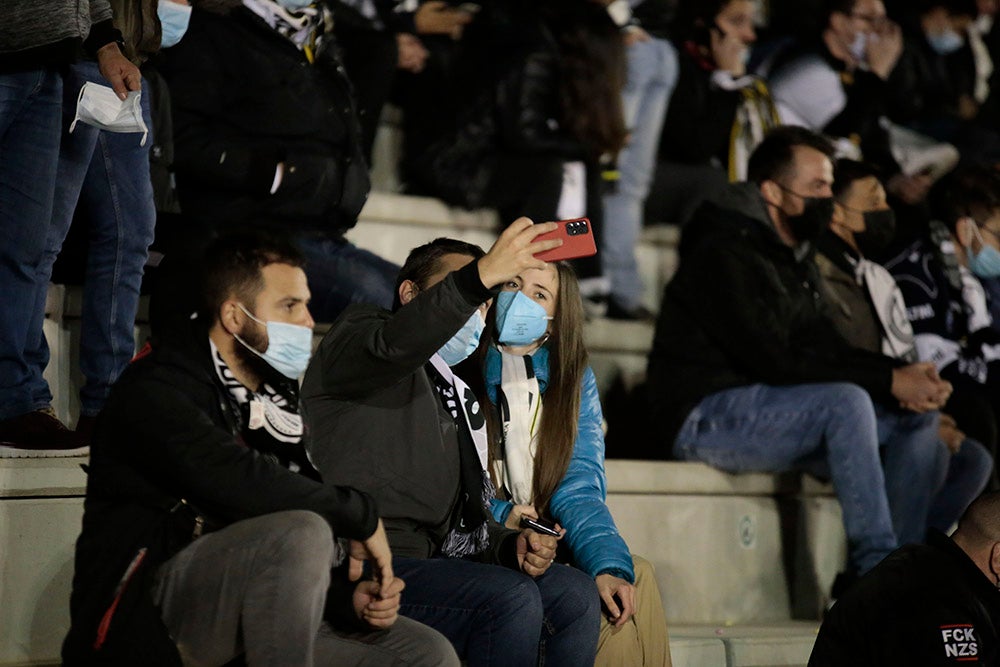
x,y
834,167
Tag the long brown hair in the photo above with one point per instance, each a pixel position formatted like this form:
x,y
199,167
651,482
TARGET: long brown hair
x,y
592,73
567,364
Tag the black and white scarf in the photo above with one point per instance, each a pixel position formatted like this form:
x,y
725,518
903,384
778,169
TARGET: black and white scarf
x,y
306,28
269,418
469,536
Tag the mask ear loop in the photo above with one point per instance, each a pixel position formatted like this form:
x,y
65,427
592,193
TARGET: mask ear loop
x,y
243,342
976,232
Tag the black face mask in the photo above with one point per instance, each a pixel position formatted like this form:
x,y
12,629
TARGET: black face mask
x,y
880,229
814,219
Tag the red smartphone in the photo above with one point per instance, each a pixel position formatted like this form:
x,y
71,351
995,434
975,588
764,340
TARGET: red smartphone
x,y
578,241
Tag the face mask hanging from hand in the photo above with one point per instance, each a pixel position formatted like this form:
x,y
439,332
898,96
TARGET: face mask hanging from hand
x,y
101,107
465,341
520,321
289,346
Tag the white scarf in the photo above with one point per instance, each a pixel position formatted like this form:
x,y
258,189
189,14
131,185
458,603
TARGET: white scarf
x,y
897,333
469,408
520,401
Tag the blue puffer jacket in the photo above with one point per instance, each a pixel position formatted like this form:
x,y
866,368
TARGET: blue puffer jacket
x,y
579,502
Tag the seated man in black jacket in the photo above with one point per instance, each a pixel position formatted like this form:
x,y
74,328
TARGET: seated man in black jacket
x,y
746,372
392,419
933,604
207,534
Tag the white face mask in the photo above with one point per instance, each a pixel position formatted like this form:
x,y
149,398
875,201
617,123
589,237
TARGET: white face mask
x,y
101,107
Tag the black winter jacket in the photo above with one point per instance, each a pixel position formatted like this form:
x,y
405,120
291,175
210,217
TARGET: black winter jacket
x,y
700,117
511,107
167,447
372,407
245,99
744,308
923,605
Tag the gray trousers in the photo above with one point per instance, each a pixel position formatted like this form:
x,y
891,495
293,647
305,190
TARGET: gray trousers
x,y
258,587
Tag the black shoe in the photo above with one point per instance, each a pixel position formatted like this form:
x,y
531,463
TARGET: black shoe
x,y
39,434
616,311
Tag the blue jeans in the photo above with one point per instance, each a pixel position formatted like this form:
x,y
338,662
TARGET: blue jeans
x,y
969,472
916,465
340,274
30,104
652,75
495,616
762,428
105,177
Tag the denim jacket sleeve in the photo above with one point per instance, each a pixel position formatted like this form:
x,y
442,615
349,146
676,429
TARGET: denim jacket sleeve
x,y
579,502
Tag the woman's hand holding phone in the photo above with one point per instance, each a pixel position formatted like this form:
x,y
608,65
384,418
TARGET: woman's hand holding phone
x,y
516,512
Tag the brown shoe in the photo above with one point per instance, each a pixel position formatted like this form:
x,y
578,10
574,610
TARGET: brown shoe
x,y
39,434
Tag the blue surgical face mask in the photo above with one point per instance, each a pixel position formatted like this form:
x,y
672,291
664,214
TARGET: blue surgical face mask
x,y
289,346
520,321
294,5
946,42
465,341
986,262
174,19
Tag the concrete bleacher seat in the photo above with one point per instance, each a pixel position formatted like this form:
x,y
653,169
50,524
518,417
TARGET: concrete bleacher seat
x,y
729,549
713,538
41,504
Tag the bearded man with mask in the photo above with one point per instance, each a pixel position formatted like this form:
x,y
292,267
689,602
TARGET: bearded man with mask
x,y
748,374
392,419
207,534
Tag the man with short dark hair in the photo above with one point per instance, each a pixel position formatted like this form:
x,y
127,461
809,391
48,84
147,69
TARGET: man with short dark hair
x,y
747,374
933,604
391,418
207,534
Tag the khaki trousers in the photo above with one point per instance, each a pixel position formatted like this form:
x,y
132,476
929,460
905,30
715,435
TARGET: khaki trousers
x,y
642,641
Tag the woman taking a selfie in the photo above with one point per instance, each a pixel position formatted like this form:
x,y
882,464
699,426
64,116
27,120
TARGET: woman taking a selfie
x,y
547,453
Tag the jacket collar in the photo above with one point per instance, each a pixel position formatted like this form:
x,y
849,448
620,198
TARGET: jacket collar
x,y
539,361
739,211
839,252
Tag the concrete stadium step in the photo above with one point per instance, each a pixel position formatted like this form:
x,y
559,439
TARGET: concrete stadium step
x,y
391,224
786,644
729,549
